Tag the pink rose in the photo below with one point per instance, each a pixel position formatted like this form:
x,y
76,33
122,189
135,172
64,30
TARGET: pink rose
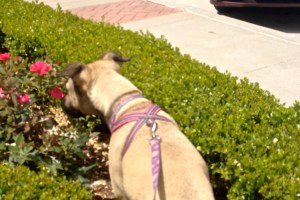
x,y
2,95
4,56
56,93
24,99
40,67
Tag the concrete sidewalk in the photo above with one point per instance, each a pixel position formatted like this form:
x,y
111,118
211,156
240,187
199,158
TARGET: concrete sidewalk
x,y
263,55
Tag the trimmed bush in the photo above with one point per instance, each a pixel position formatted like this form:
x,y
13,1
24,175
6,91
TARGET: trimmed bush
x,y
21,183
249,139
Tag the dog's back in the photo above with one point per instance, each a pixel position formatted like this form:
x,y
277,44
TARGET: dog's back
x,y
184,175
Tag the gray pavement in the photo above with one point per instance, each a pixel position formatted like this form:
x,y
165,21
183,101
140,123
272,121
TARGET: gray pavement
x,y
253,46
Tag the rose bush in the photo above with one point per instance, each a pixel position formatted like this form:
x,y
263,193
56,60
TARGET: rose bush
x,y
35,132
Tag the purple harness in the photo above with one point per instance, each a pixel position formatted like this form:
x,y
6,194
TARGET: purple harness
x,y
148,117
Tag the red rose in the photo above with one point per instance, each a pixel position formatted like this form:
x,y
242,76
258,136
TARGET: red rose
x,y
56,93
24,99
40,67
4,56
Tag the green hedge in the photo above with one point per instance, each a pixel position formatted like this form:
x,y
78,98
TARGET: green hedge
x,y
249,139
21,183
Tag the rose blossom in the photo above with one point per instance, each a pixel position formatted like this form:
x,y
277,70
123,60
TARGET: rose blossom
x,y
56,93
40,67
4,56
2,95
23,99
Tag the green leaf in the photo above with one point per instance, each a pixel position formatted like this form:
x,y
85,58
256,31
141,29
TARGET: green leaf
x,y
19,140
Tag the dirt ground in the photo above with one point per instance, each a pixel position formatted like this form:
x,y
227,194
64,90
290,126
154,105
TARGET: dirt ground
x,y
97,152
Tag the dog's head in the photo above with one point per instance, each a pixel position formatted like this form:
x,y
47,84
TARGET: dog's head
x,y
82,78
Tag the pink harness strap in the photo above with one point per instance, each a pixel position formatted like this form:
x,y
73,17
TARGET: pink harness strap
x,y
121,104
148,117
141,118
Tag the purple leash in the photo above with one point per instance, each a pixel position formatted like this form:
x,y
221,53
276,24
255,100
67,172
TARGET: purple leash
x,y
155,149
149,118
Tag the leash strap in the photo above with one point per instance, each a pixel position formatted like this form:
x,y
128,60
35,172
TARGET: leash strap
x,y
149,118
155,151
140,118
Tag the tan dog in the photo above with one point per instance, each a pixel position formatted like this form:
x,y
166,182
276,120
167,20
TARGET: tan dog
x,y
96,88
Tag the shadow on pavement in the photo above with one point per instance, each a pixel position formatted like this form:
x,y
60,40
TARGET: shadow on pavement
x,y
281,19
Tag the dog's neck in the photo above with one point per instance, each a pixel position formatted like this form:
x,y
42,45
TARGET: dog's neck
x,y
109,91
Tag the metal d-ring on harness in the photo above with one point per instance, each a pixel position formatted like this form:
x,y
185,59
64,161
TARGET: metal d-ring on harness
x,y
148,117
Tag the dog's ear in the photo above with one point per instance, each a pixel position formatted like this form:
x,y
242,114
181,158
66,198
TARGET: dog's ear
x,y
72,69
111,55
